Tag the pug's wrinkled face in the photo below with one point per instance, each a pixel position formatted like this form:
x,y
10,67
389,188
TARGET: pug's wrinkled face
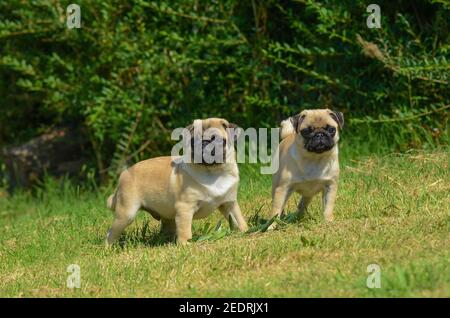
x,y
319,129
211,140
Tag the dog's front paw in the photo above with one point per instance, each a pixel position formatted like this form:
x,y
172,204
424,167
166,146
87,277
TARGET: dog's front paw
x,y
183,242
272,226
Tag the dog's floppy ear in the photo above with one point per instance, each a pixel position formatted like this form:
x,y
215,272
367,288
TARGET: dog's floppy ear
x,y
297,121
198,123
236,130
190,128
338,117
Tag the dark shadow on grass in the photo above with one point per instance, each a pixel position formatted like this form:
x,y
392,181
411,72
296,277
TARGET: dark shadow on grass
x,y
257,223
143,236
152,239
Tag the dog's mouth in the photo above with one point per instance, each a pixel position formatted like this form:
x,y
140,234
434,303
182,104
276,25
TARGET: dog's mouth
x,y
320,148
319,143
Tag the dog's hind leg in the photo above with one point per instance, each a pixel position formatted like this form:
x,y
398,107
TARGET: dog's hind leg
x,y
124,216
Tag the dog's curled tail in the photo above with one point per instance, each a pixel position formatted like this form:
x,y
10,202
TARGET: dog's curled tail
x,y
286,128
111,202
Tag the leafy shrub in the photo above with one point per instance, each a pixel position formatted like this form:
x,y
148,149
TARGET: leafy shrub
x,y
137,69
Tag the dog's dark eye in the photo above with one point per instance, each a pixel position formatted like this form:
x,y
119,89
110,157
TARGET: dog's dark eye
x,y
306,131
331,129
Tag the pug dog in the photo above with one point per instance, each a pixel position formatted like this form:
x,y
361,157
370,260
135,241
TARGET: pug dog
x,y
178,189
308,160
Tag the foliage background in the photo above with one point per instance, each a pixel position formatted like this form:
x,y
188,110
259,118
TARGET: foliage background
x,y
137,69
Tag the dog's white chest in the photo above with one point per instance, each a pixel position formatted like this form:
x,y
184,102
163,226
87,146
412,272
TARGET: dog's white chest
x,y
312,176
218,186
215,184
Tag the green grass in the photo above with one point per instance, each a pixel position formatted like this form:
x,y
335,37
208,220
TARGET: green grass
x,y
391,210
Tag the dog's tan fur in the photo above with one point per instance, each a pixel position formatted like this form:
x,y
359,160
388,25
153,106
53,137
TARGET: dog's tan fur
x,y
304,172
177,192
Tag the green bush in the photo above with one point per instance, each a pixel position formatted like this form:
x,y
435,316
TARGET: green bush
x,y
137,69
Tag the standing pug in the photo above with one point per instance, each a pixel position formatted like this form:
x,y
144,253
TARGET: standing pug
x,y
308,157
176,191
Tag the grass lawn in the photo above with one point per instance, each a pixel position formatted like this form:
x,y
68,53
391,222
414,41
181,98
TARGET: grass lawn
x,y
392,211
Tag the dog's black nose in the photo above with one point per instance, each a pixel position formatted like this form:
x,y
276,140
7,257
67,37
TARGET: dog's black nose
x,y
320,135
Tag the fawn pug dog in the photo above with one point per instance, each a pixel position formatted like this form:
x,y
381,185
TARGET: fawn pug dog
x,y
176,191
308,160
